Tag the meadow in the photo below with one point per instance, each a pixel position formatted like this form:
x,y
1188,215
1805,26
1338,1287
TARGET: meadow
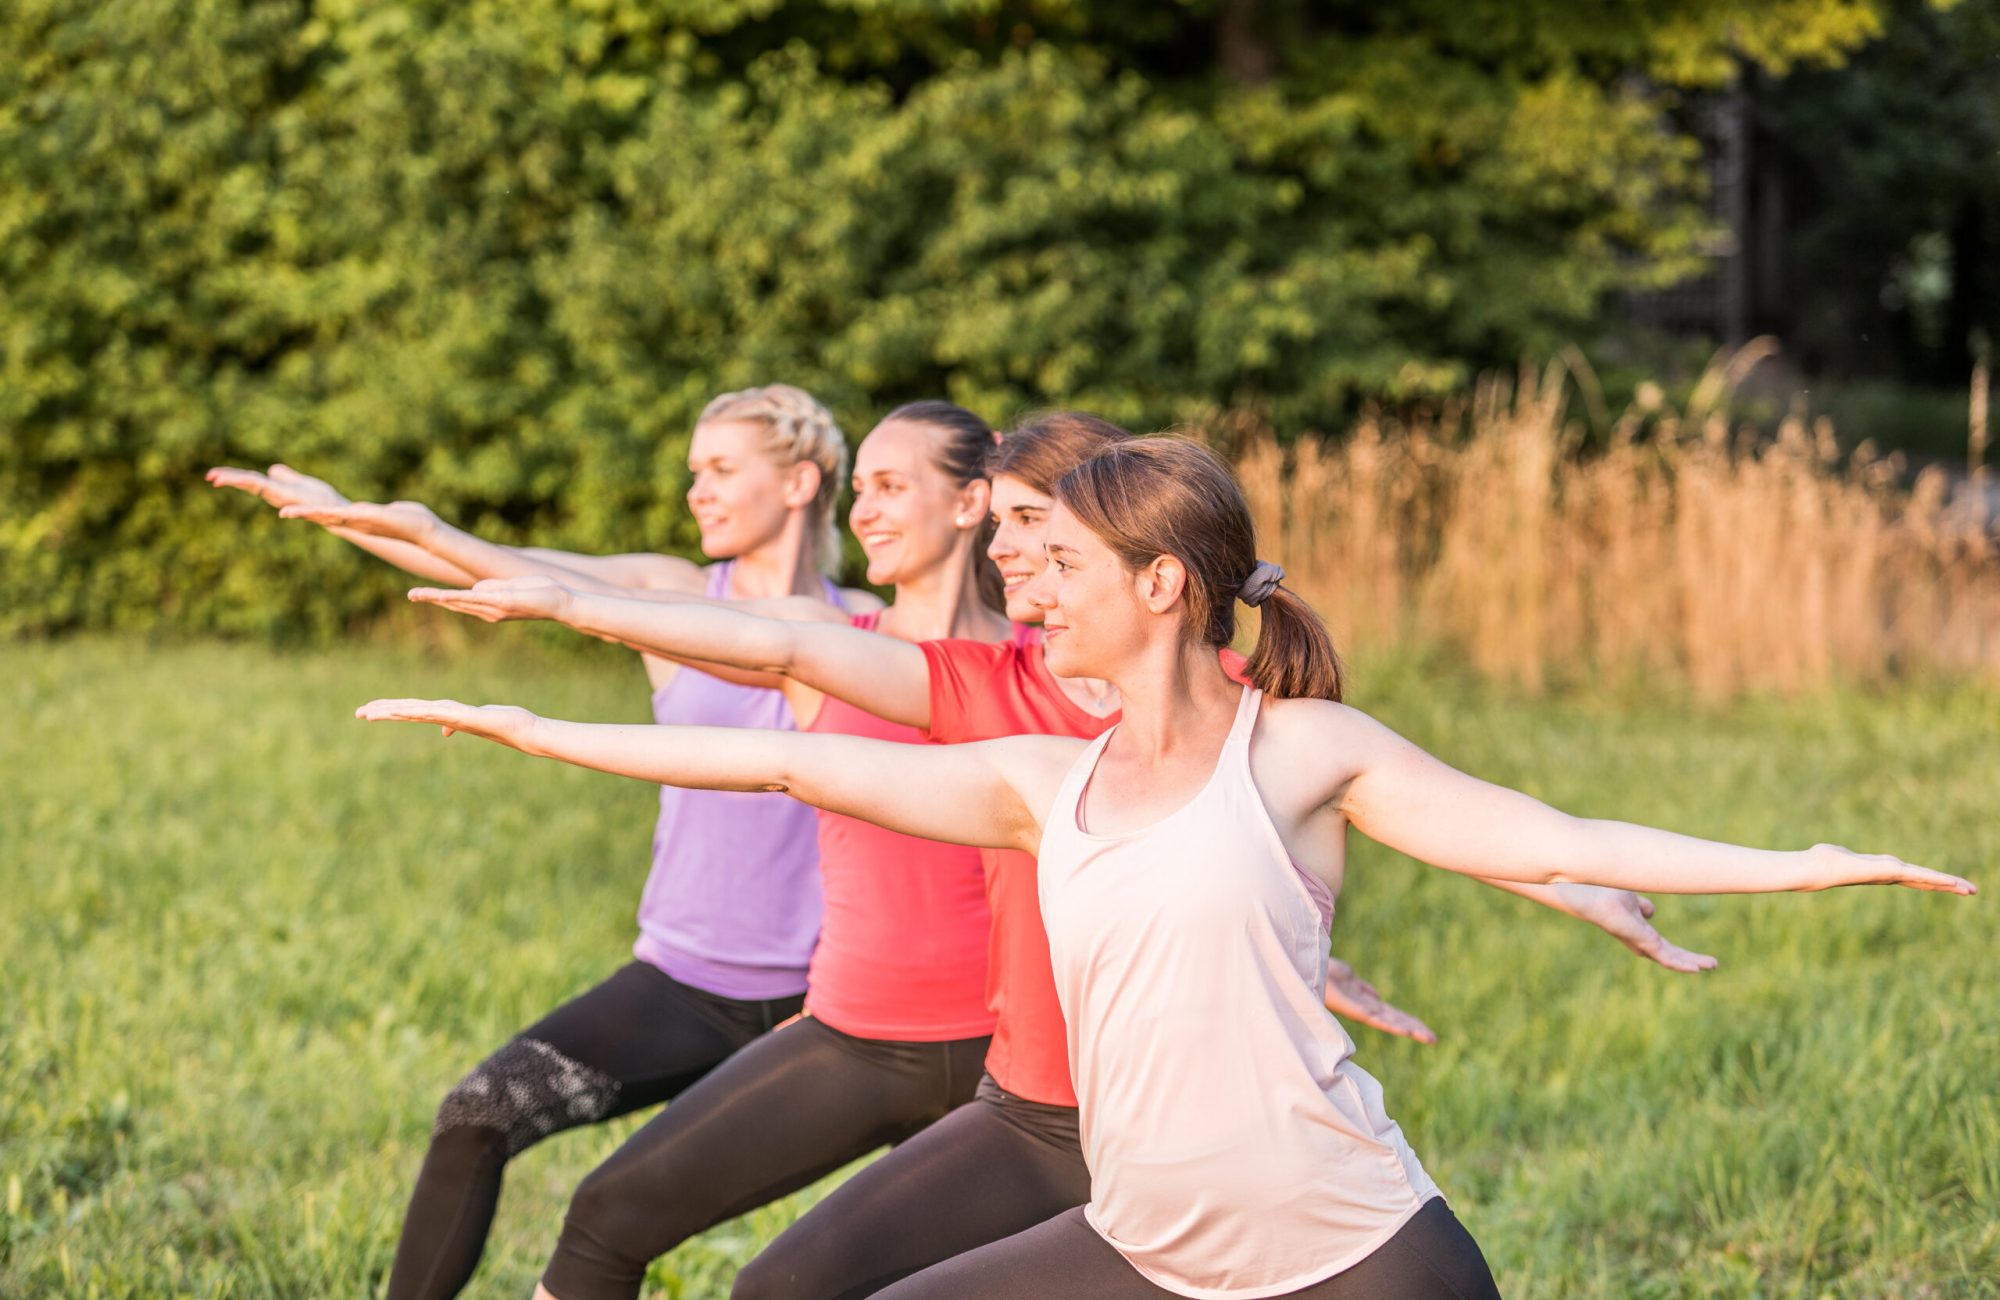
x,y
250,942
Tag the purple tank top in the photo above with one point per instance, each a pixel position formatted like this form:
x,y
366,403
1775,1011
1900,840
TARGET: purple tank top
x,y
733,901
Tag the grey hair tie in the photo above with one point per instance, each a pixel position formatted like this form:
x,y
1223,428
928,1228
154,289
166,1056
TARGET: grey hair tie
x,y
1263,580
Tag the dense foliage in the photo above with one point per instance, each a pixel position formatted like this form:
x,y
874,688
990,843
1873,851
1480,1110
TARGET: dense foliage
x,y
495,256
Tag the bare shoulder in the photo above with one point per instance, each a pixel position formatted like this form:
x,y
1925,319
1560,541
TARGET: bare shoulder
x,y
1316,723
667,572
1034,765
1307,752
859,600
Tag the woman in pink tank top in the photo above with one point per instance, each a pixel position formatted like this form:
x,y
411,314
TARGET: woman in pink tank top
x,y
1189,861
731,907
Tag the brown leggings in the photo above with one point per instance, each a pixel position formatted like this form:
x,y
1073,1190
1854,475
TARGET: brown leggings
x,y
1432,1257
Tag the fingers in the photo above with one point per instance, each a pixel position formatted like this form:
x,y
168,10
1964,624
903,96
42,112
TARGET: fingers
x,y
243,480
1937,881
449,715
1676,958
318,514
1401,1024
1356,999
1645,906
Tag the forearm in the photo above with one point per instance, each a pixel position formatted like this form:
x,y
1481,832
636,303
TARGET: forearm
x,y
965,801
479,558
1525,847
407,556
880,674
686,630
1622,855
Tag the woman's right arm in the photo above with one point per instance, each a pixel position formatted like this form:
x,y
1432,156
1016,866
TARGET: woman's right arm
x,y
988,795
882,675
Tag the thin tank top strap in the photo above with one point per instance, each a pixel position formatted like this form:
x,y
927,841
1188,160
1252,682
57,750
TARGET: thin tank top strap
x,y
832,590
1064,815
717,587
1236,749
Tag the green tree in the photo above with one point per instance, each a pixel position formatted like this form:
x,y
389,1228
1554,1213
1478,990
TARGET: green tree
x,y
497,255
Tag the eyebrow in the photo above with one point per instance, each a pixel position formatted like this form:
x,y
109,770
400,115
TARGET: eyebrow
x,y
1053,547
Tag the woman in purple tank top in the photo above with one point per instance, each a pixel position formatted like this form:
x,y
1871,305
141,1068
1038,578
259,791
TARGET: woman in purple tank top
x,y
731,908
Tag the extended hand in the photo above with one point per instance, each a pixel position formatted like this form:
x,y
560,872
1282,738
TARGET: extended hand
x,y
1831,866
1626,917
283,486
1353,998
501,722
403,521
499,599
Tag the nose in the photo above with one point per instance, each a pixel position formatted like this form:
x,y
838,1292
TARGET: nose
x,y
701,489
1002,544
1040,590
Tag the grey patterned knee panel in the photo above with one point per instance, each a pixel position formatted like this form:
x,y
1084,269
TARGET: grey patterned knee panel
x,y
527,1090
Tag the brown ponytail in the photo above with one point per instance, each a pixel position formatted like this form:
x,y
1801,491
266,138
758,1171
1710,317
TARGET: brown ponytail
x,y
1169,496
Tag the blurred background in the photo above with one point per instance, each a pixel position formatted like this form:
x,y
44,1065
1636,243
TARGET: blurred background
x,y
1616,376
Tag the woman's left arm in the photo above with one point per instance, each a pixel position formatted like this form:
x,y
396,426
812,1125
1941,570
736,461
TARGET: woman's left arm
x,y
1396,793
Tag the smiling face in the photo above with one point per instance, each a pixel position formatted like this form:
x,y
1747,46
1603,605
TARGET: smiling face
x,y
1097,615
741,495
908,513
1020,527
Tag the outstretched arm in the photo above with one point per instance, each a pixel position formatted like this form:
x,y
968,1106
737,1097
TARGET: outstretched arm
x,y
989,795
1398,794
418,525
882,674
285,486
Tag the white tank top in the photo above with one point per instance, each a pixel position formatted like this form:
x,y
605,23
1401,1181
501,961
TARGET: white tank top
x,y
1233,1149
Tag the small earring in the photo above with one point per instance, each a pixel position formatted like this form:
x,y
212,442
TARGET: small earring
x,y
964,521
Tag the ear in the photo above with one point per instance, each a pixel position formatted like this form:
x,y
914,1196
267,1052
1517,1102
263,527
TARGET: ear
x,y
1161,584
973,503
802,482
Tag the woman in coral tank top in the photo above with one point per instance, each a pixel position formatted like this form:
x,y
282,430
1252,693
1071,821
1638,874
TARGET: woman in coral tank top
x,y
1015,1156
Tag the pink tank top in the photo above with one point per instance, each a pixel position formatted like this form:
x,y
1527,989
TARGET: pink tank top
x,y
902,943
1234,1150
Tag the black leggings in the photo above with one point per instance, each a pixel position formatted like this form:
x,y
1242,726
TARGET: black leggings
x,y
1432,1257
785,1111
982,1173
635,1040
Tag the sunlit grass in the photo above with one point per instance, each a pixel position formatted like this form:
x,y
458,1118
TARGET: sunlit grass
x,y
250,942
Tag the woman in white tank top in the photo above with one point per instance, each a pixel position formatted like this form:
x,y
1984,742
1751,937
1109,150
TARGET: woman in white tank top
x,y
1189,862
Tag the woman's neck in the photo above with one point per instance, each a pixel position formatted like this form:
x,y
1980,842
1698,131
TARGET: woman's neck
x,y
944,603
1174,694
781,566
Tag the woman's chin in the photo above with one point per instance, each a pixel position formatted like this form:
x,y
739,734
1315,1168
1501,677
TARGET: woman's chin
x,y
722,545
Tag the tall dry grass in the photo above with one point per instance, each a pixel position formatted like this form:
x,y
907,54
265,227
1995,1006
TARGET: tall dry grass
x,y
1680,546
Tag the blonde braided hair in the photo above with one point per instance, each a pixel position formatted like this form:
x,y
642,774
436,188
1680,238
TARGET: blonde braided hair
x,y
799,429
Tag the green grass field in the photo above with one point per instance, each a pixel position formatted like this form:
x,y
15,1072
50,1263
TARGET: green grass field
x,y
249,943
